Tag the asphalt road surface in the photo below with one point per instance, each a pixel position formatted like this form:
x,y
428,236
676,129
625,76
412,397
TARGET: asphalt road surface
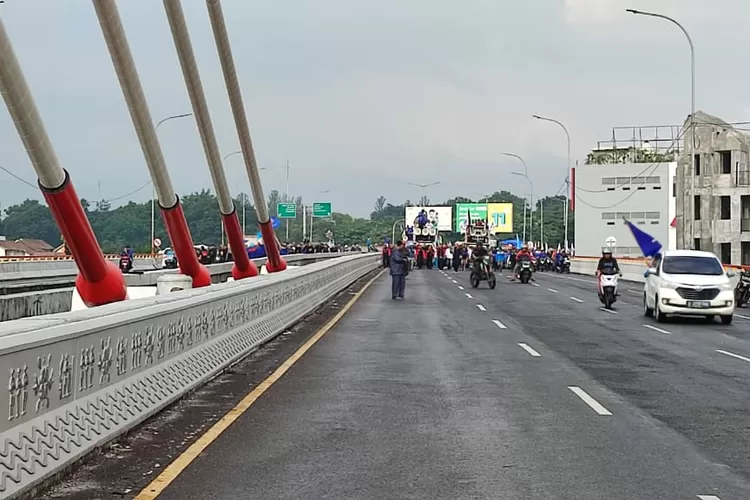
x,y
523,392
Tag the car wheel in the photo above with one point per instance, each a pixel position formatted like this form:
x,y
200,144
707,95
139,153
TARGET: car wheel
x,y
647,311
660,316
727,320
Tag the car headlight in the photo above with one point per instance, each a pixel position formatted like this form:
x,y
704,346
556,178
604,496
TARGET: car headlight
x,y
671,286
727,287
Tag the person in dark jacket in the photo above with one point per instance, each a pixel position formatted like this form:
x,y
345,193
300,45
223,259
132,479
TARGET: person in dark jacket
x,y
399,269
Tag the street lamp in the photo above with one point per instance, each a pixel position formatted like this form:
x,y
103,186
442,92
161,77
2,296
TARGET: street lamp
x,y
691,199
153,188
567,172
424,186
531,211
525,174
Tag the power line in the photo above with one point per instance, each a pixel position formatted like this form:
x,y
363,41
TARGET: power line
x,y
18,178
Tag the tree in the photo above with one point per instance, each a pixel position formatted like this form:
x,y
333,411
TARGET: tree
x,y
424,201
379,205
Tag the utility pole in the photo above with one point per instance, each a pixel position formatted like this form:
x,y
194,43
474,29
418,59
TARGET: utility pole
x,y
287,198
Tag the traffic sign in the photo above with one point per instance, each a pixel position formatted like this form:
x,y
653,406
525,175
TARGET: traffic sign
x,y
157,242
321,209
286,210
611,241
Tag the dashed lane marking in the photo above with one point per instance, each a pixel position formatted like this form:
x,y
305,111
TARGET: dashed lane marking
x,y
552,290
660,330
499,324
460,287
743,358
535,284
741,316
468,296
577,300
593,403
174,469
481,307
610,311
454,281
635,291
529,349
708,497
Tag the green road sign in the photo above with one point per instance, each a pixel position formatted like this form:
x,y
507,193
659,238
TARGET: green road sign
x,y
322,209
286,210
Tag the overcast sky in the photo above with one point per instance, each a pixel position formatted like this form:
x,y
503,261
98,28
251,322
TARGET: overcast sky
x,y
364,97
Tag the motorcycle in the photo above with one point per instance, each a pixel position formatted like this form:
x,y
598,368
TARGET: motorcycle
x,y
482,271
524,274
564,266
170,259
742,290
608,289
126,264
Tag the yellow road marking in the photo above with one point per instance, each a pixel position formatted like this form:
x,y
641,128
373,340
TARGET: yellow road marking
x,y
173,470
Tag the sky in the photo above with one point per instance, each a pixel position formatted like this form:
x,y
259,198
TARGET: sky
x,y
364,98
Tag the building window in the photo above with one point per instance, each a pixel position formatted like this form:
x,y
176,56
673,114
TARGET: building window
x,y
674,187
653,215
726,253
696,243
697,164
726,207
745,248
653,180
697,207
725,157
608,215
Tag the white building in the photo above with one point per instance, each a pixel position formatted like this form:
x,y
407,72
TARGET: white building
x,y
604,195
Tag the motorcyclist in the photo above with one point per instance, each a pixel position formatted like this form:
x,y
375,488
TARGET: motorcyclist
x,y
607,264
479,255
521,255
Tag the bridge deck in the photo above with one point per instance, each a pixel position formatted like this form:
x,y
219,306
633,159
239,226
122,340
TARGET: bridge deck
x,y
434,398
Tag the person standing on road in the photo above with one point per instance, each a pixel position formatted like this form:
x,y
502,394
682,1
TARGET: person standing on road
x,y
399,269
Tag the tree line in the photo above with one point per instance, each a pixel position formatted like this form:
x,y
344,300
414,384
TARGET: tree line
x,y
131,223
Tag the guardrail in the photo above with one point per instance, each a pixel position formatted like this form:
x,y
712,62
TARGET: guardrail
x,y
68,264
77,380
43,258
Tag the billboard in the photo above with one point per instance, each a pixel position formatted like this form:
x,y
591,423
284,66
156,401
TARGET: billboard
x,y
465,210
500,217
440,216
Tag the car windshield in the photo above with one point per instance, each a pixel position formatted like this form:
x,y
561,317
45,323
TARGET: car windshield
x,y
683,264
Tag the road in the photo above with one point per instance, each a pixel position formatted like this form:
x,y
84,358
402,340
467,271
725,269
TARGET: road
x,y
523,392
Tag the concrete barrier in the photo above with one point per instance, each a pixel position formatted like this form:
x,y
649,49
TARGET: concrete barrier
x,y
77,380
24,305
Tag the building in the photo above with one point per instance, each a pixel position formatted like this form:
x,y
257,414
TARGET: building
x,y
24,248
714,192
630,179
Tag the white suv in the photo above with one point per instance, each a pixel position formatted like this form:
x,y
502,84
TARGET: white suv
x,y
690,283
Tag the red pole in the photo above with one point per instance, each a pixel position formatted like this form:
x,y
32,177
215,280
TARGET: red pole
x,y
182,242
243,267
99,282
274,262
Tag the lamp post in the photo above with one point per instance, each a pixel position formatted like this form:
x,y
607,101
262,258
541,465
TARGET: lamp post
x,y
525,175
691,199
424,186
567,172
153,188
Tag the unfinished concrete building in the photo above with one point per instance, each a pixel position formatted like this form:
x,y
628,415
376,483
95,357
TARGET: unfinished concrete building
x,y
713,194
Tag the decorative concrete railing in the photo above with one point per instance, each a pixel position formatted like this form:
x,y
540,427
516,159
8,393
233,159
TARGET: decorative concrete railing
x,y
77,380
39,264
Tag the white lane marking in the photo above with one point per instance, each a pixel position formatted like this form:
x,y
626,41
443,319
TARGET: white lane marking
x,y
610,311
743,358
708,497
635,291
499,324
593,403
535,284
577,300
529,349
468,296
460,287
741,316
571,278
481,307
658,329
454,281
552,290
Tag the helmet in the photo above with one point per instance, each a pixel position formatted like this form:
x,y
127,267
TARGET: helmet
x,y
524,247
607,251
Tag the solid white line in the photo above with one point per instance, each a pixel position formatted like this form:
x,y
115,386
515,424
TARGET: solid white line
x,y
743,358
593,403
658,329
741,316
481,307
499,324
610,311
460,287
708,497
577,300
528,349
552,290
468,296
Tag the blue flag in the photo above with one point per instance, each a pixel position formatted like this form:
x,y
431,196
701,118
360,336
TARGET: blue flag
x,y
649,245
